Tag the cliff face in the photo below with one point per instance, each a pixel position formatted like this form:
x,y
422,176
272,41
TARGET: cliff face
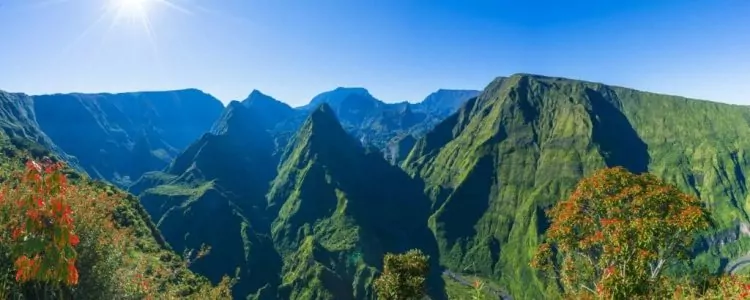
x,y
494,167
118,137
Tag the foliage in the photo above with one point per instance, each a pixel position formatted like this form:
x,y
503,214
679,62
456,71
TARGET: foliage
x,y
37,213
404,276
617,232
66,240
522,145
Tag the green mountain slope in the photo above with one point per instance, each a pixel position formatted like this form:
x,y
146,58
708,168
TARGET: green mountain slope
x,y
19,125
492,168
20,136
312,228
218,185
334,225
118,137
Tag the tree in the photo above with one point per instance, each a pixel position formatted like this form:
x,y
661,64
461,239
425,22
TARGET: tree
x,y
404,276
616,233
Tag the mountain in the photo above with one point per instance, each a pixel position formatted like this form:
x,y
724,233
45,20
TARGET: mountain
x,y
21,138
218,184
118,137
355,96
305,224
19,125
444,102
333,227
398,148
492,168
375,123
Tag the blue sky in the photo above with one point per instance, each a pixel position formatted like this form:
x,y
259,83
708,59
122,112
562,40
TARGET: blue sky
x,y
398,49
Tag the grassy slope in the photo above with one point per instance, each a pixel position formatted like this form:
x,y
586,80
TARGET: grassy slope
x,y
332,217
320,232
492,168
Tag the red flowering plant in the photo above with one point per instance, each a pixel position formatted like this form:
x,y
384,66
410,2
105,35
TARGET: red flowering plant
x,y
60,240
37,221
616,233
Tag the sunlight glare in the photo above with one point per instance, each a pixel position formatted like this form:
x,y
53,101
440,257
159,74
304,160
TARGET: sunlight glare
x,y
132,6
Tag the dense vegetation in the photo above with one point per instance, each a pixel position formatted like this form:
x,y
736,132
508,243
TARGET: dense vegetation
x,y
63,236
404,276
617,233
493,168
305,203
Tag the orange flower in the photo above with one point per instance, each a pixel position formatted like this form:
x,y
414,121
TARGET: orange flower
x,y
72,273
74,239
16,233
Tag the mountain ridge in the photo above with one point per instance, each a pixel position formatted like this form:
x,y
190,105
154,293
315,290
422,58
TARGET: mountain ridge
x,y
494,167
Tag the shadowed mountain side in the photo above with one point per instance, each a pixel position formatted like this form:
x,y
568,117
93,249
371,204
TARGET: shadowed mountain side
x,y
118,137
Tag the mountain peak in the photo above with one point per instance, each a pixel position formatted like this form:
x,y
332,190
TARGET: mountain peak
x,y
323,116
256,96
322,133
352,90
341,94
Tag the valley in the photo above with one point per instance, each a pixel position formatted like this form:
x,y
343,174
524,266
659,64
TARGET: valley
x,y
304,202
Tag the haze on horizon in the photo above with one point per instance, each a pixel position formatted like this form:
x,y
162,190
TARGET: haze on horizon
x,y
398,50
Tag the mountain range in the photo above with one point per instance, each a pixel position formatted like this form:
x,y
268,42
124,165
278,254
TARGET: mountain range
x,y
306,201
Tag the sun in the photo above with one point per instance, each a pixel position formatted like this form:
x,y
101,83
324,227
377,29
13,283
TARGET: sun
x,y
133,6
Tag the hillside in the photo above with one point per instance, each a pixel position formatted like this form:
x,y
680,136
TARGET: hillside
x,y
445,102
140,245
306,206
494,167
118,137
218,184
327,208
19,125
316,206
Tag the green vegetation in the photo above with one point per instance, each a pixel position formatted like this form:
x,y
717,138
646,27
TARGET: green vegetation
x,y
404,276
292,203
494,167
314,224
82,239
617,234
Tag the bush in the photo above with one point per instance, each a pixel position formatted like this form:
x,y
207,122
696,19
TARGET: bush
x,y
60,240
404,276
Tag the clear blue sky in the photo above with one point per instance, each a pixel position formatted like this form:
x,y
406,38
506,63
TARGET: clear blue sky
x,y
398,49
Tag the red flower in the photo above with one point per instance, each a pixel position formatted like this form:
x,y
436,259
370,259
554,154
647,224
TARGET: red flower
x,y
16,233
73,239
33,214
72,273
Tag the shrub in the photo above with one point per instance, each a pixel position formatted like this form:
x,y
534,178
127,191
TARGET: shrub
x,y
61,240
404,276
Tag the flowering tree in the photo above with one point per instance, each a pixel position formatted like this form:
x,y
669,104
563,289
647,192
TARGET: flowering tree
x,y
40,220
616,233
